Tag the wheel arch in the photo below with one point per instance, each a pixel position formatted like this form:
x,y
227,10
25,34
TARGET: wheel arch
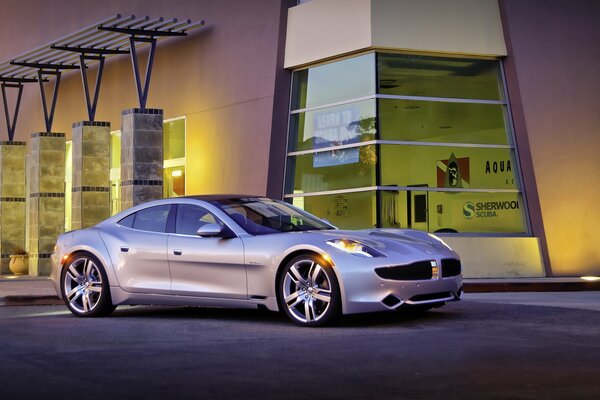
x,y
326,259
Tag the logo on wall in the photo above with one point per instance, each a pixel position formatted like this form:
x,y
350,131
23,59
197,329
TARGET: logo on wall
x,y
453,172
488,209
469,210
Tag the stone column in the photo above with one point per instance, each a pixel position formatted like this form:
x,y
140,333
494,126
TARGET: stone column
x,y
141,156
46,198
91,173
12,200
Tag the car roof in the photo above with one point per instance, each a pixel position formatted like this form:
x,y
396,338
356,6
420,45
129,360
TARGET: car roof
x,y
218,197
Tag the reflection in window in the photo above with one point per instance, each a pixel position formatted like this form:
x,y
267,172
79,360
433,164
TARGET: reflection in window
x,y
191,218
115,172
331,170
333,126
418,75
438,121
329,83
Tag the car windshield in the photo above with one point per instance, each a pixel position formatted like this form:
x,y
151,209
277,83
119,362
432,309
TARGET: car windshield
x,y
261,216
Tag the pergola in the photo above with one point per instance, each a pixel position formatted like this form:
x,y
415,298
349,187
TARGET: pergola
x,y
112,36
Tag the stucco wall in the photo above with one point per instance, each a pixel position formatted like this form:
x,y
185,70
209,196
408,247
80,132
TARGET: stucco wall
x,y
554,85
222,77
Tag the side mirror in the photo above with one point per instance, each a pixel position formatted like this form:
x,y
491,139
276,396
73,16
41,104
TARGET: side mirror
x,y
209,230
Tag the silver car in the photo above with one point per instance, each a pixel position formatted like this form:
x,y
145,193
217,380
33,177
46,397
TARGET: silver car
x,y
248,251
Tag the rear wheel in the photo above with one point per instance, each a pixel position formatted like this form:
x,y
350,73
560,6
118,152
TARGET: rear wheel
x,y
85,287
309,293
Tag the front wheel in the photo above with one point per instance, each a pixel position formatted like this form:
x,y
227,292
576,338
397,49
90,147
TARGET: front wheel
x,y
309,293
85,287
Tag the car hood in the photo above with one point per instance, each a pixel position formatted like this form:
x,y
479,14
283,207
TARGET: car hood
x,y
406,242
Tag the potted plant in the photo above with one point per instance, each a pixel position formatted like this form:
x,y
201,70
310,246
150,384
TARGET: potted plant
x,y
19,264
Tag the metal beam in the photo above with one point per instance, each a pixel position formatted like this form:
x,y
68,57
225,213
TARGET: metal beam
x,y
44,65
91,103
142,92
141,32
89,50
11,123
48,114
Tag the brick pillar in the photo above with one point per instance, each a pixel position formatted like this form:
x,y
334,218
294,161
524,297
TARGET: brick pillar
x,y
46,198
91,173
141,156
12,200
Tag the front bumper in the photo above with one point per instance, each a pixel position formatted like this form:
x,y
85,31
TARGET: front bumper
x,y
365,291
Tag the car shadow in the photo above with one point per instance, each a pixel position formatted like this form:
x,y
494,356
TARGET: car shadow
x,y
404,318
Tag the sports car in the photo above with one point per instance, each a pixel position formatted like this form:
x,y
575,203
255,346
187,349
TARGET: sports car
x,y
249,251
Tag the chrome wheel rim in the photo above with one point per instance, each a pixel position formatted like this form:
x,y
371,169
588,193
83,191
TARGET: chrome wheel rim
x,y
307,291
83,285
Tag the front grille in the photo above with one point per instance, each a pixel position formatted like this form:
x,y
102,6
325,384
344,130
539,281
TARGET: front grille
x,y
431,296
450,267
412,272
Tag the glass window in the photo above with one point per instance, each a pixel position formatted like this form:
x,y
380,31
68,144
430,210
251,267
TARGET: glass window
x,y
448,167
333,126
174,138
115,172
153,219
127,221
174,157
329,83
259,216
417,75
452,211
347,210
438,121
331,170
190,218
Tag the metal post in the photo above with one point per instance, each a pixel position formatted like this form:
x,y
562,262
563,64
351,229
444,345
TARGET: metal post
x,y
11,123
48,116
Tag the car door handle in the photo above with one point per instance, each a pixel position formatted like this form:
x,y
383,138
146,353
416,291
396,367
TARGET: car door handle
x,y
124,249
177,252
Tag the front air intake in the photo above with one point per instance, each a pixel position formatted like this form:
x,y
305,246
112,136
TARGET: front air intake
x,y
450,267
417,271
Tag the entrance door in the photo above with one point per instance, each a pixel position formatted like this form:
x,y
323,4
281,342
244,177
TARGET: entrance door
x,y
418,209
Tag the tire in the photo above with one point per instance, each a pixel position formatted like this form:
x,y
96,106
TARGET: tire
x,y
84,286
308,291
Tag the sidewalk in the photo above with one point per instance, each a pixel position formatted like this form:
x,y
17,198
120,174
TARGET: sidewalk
x,y
26,290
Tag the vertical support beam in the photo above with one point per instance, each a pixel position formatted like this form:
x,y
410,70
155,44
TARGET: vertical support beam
x,y
46,198
11,123
48,113
12,200
142,92
141,156
91,173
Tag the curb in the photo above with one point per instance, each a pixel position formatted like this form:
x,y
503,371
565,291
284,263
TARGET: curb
x,y
489,287
30,300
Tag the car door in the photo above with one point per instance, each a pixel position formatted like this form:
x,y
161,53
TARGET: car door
x,y
141,245
204,266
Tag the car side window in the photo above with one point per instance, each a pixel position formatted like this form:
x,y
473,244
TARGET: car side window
x,y
152,219
190,218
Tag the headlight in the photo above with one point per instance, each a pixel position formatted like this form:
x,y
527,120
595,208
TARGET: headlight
x,y
354,247
440,241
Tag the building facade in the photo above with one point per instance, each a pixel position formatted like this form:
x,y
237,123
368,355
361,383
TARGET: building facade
x,y
474,119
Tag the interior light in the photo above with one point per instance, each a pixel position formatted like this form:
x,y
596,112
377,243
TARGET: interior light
x,y
591,278
176,173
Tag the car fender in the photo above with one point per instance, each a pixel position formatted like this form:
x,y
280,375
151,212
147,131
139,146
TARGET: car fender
x,y
90,241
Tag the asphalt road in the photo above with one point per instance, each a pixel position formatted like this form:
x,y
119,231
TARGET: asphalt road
x,y
469,350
